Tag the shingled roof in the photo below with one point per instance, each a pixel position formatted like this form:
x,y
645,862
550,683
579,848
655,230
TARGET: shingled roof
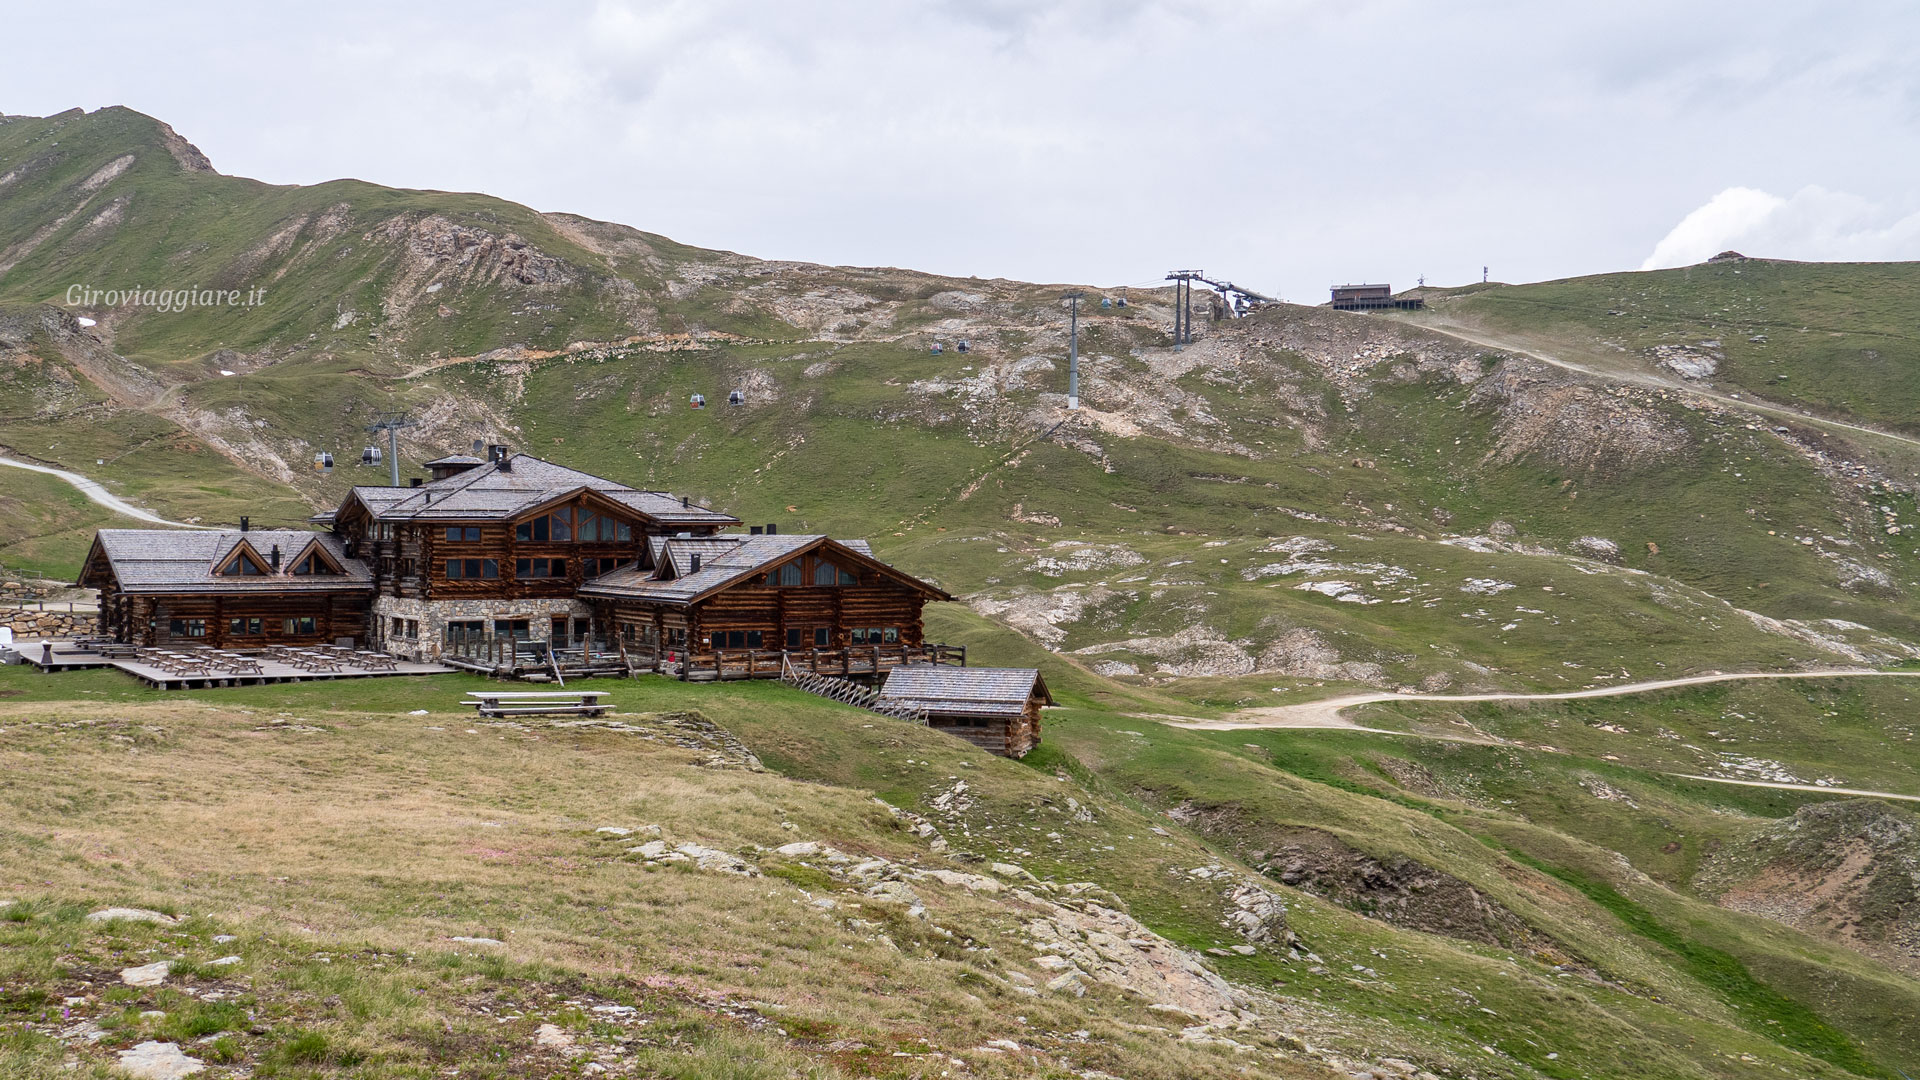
x,y
944,690
492,492
724,560
184,561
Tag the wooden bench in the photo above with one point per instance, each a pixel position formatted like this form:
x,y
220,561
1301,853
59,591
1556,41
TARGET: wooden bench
x,y
537,703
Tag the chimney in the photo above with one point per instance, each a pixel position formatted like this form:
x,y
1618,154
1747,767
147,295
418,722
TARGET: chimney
x,y
753,530
695,564
414,481
683,502
273,558
773,528
244,522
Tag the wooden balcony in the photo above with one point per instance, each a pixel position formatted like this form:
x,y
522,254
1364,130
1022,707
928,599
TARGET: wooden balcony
x,y
531,659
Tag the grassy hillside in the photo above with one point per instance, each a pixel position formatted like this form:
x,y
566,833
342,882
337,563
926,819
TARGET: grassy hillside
x,y
350,902
1835,338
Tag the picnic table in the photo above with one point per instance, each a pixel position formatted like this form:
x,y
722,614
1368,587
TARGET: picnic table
x,y
536,703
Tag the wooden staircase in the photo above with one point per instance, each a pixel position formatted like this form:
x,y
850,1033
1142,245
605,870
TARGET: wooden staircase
x,y
848,693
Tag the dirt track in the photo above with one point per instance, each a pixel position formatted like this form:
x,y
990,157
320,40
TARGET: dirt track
x,y
1326,713
92,490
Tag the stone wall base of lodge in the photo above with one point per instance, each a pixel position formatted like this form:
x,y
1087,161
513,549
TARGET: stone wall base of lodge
x,y
429,620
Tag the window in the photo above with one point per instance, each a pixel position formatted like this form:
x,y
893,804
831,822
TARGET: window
x,y
517,629
875,635
825,573
243,566
187,627
595,567
797,637
383,530
529,569
312,564
889,634
736,639
465,630
784,575
458,569
394,629
590,527
305,624
413,629
463,534
243,627
556,527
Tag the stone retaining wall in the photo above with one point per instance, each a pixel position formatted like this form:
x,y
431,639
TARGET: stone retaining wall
x,y
33,622
15,589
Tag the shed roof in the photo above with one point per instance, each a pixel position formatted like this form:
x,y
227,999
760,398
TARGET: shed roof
x,y
965,691
183,561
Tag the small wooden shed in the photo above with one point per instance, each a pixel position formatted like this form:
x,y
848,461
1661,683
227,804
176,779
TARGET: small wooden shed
x,y
996,709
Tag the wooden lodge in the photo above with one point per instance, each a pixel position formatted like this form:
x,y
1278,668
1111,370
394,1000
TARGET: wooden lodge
x,y
1372,298
511,564
518,567
996,709
732,606
227,589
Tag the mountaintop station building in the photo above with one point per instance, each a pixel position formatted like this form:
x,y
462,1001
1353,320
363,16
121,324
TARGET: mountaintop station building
x,y
506,549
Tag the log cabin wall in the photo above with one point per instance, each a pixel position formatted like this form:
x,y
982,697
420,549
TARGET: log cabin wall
x,y
1012,735
247,621
501,550
773,618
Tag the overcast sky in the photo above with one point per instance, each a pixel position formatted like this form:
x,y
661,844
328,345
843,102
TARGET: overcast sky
x,y
1285,145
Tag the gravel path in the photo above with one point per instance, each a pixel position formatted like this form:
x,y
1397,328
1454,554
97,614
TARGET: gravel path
x,y
92,490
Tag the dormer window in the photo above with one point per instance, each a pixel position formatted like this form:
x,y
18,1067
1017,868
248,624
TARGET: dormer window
x,y
313,559
243,561
312,564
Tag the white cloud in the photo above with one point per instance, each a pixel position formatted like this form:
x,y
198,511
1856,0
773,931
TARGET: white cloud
x,y
1815,224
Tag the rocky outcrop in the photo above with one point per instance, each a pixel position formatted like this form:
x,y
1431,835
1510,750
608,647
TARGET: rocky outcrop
x,y
1564,421
1847,870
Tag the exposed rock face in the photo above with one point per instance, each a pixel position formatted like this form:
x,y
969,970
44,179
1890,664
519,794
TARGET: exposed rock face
x,y
1570,423
1847,870
1304,654
435,244
184,152
1597,547
1394,889
1700,361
